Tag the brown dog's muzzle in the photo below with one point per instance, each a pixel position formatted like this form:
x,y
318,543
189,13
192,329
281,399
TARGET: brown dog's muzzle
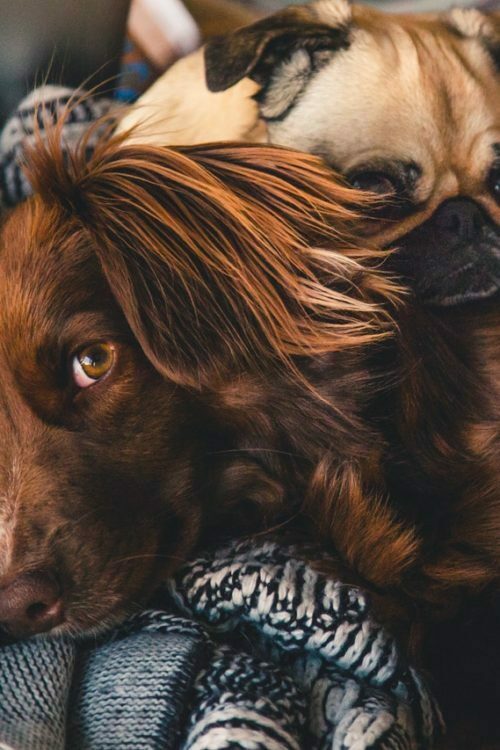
x,y
453,257
31,604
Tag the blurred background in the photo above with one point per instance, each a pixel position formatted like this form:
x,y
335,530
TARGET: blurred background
x,y
397,6
123,45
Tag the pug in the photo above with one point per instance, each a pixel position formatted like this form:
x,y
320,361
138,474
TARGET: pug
x,y
406,106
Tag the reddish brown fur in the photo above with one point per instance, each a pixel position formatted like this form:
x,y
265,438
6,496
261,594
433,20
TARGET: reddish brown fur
x,y
442,467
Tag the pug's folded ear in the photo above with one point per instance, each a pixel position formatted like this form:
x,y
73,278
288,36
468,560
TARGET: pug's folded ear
x,y
474,24
288,45
494,45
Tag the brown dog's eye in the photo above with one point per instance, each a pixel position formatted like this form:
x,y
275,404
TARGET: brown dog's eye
x,y
92,364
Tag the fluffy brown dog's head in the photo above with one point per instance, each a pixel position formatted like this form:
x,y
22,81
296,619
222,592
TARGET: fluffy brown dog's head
x,y
407,106
134,288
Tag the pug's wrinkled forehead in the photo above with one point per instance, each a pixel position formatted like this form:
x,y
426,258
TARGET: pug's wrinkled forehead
x,y
409,104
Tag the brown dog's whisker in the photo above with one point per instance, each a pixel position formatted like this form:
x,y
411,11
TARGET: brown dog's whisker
x,y
257,449
153,556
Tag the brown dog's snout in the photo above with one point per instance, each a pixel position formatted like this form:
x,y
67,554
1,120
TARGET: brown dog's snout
x,y
31,604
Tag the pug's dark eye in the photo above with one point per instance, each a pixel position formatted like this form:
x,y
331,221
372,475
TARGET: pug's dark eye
x,y
374,182
494,183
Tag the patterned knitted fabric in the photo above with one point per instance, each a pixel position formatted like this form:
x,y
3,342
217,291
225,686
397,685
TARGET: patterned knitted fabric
x,y
249,647
44,106
360,692
253,649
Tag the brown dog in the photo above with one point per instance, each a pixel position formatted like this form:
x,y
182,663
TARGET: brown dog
x,y
407,106
184,340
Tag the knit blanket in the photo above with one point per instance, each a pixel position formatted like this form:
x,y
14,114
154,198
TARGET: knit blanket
x,y
247,647
251,648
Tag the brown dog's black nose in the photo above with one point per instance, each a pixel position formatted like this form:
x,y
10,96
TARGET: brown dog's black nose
x,y
31,604
459,220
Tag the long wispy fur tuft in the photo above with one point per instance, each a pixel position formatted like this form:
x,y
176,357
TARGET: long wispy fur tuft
x,y
221,254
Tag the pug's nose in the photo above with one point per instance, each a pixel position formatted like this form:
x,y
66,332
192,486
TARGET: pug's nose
x,y
31,604
460,220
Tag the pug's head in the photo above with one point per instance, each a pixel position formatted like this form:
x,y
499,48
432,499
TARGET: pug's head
x,y
404,106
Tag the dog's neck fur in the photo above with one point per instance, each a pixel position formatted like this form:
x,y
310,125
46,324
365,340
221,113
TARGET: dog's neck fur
x,y
272,462
425,449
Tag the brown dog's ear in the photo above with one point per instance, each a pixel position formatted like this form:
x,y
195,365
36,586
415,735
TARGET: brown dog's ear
x,y
217,254
257,50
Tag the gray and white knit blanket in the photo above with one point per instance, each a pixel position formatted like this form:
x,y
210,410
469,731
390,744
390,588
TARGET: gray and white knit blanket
x,y
251,649
247,647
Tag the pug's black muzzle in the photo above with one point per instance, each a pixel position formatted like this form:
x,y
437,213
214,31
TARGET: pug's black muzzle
x,y
454,257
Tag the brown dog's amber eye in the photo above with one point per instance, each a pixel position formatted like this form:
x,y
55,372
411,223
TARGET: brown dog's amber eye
x,y
92,363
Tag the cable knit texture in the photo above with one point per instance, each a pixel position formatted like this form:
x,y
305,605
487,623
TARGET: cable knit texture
x,y
252,649
248,648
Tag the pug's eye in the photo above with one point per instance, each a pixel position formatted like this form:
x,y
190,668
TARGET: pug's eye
x,y
494,183
374,182
92,363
